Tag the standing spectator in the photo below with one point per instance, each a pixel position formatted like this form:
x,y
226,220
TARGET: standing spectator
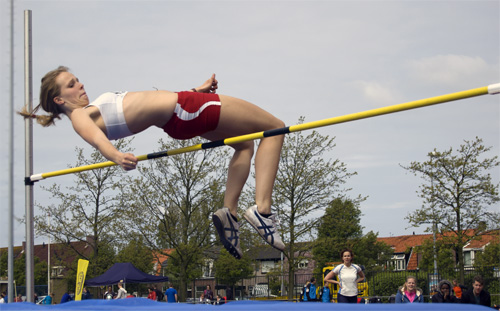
x,y
2,297
303,292
19,298
458,289
86,294
349,276
477,295
67,296
122,293
229,294
171,294
409,293
444,293
159,294
209,295
109,294
310,291
325,295
152,294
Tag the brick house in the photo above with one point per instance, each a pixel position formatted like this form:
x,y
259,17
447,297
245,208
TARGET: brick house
x,y
62,257
406,257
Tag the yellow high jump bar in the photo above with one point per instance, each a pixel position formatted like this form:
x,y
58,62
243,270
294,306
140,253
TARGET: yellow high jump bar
x,y
491,89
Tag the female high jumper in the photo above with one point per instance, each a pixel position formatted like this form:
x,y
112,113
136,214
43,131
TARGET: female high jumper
x,y
182,115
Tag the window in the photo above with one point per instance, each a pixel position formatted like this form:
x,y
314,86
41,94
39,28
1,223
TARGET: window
x,y
267,265
57,271
302,264
468,258
207,268
398,262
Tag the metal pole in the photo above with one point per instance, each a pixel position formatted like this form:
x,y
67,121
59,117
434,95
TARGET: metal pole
x,y
48,259
28,130
282,277
10,260
434,224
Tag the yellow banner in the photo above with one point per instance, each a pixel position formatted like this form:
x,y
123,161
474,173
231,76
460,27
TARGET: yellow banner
x,y
80,277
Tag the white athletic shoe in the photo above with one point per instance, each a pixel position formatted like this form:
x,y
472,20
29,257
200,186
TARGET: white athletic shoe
x,y
228,232
266,227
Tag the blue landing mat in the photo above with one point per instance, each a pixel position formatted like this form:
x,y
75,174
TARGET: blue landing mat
x,y
145,304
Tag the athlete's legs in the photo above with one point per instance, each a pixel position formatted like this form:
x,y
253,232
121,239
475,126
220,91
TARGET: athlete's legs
x,y
239,117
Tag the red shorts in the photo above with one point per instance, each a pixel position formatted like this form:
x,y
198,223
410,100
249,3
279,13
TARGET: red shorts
x,y
195,114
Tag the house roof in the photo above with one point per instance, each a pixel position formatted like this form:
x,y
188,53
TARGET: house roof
x,y
486,238
58,251
265,252
403,242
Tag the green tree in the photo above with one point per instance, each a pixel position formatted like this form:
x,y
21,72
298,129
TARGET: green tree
x,y
170,205
305,184
457,191
372,253
89,207
137,253
229,270
486,262
444,257
20,269
339,228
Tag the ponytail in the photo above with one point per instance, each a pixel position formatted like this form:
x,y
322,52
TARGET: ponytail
x,y
48,91
42,119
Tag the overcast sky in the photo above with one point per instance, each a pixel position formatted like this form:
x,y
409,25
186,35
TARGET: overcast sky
x,y
317,59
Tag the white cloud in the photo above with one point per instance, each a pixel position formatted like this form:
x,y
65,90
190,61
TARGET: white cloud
x,y
452,69
378,93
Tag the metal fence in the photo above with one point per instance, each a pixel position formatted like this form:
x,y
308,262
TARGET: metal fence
x,y
381,284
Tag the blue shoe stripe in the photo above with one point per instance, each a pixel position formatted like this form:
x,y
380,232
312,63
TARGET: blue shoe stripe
x,y
233,232
266,228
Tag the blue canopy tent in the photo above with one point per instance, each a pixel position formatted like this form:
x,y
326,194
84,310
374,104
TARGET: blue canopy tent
x,y
124,272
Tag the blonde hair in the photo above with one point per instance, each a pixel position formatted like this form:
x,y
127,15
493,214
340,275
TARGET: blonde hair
x,y
48,91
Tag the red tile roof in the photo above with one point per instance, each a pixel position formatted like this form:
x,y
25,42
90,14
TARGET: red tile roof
x,y
160,257
402,243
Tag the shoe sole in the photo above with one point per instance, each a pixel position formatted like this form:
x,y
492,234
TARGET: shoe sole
x,y
251,224
222,237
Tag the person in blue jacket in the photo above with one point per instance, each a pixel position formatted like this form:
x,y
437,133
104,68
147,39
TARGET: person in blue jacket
x,y
310,291
47,300
325,295
409,292
66,297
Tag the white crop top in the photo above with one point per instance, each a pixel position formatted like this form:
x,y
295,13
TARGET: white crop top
x,y
111,107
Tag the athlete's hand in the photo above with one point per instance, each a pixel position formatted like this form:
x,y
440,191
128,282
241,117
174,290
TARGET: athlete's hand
x,y
128,161
210,86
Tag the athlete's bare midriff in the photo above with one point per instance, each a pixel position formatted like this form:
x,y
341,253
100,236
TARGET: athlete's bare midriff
x,y
148,108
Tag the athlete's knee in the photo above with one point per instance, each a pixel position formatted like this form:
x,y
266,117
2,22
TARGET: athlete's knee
x,y
246,146
277,123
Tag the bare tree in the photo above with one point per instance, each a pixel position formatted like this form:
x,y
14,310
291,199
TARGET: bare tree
x,y
171,203
88,208
457,191
305,184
